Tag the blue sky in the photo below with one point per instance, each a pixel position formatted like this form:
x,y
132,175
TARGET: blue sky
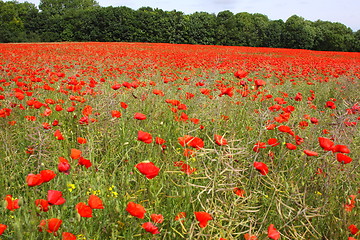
x,y
343,11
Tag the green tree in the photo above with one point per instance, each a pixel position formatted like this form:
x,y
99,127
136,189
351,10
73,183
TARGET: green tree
x,y
333,36
356,47
260,23
29,14
113,24
251,29
299,33
178,27
225,28
200,28
54,7
11,26
274,32
59,18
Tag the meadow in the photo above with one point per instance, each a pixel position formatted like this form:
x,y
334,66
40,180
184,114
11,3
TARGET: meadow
x,y
165,141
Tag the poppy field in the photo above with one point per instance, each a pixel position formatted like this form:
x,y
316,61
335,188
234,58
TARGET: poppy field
x,y
165,141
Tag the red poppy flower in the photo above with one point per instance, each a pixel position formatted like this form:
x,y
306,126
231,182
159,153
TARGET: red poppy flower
x,y
350,124
46,126
341,149
184,140
30,151
87,110
195,120
75,153
298,97
184,167
148,169
226,91
68,236
261,167
303,124
144,137
290,146
81,140
34,180
158,92
47,112
2,228
311,153
299,140
42,204
136,210
51,225
258,146
95,202
58,135
238,191
351,238
273,233
37,104
84,120
314,120
55,123
351,203
189,95
84,162
259,83
343,158
353,229
220,140
284,128
240,74
325,131
157,218
64,167
183,117
326,143
11,204
273,142
151,228
205,91
330,104
203,218
182,106
70,109
11,123
47,175
159,141
116,86
127,84
139,116
196,143
115,114
54,197
58,108
83,210
250,237
123,105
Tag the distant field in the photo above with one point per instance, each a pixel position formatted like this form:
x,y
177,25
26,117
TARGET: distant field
x,y
161,141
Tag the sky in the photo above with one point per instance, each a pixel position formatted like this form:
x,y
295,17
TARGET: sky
x,y
346,12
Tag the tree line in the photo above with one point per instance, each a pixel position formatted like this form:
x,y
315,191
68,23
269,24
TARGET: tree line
x,y
85,20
